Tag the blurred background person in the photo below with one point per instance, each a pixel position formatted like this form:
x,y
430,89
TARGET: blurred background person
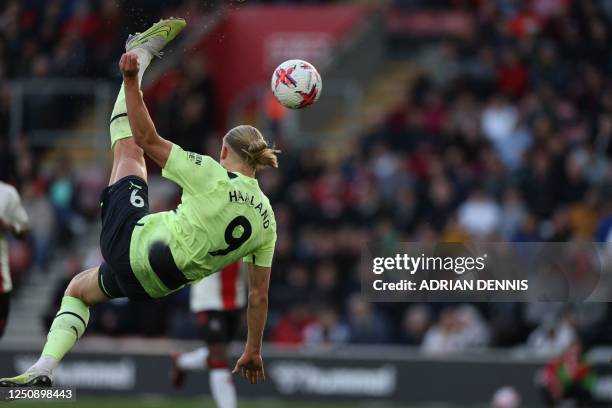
x,y
218,302
14,221
569,377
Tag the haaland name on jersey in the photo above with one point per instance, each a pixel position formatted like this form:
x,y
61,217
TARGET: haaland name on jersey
x,y
238,196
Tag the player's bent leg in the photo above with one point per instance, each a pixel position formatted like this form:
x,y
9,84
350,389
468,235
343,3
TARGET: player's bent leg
x,y
67,328
86,287
128,160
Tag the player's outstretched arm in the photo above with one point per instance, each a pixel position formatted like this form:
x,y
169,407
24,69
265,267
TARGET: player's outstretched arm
x,y
250,364
143,130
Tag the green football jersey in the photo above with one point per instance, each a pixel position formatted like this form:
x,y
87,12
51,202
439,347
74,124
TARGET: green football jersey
x,y
222,218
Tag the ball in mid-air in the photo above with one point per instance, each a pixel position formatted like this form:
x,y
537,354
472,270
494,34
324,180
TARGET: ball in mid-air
x,y
296,84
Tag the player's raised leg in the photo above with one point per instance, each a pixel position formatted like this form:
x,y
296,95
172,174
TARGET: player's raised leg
x,y
128,158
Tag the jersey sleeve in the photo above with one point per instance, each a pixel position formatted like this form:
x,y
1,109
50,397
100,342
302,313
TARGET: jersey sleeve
x,y
263,255
192,171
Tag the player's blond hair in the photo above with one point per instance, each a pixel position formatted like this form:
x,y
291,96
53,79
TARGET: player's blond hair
x,y
249,144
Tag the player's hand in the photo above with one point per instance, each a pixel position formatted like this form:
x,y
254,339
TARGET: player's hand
x,y
250,366
129,65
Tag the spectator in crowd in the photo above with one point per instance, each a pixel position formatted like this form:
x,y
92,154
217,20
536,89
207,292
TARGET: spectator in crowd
x,y
443,337
415,324
553,336
458,329
326,329
61,193
480,215
290,328
366,325
42,231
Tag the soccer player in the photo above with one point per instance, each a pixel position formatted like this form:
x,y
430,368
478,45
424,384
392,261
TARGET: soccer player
x,y
13,220
223,217
218,301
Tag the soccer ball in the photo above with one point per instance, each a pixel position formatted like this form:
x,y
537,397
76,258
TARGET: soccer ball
x,y
296,84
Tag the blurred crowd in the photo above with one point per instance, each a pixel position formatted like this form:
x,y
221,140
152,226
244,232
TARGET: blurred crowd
x,y
503,135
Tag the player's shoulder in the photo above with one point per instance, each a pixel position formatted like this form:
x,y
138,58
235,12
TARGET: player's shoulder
x,y
212,170
202,160
195,158
214,165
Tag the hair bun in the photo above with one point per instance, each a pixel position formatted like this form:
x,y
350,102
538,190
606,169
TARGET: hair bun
x,y
257,146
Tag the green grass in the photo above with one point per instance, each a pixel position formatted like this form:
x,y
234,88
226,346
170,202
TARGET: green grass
x,y
200,403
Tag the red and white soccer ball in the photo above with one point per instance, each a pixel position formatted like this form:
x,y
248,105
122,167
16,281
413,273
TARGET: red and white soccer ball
x,y
296,84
